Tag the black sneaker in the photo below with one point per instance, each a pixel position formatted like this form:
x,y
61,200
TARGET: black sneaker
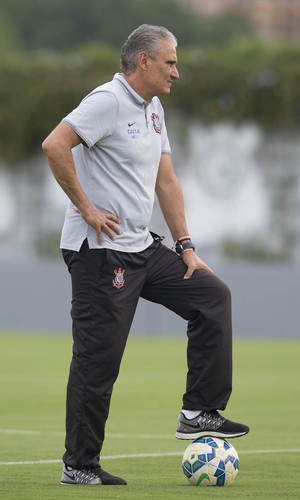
x,y
209,423
95,476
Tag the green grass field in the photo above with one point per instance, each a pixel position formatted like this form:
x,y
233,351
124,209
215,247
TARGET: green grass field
x,y
140,443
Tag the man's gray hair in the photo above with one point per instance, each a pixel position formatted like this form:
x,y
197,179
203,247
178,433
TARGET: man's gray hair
x,y
146,38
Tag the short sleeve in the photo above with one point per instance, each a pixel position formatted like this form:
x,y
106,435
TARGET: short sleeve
x,y
95,117
165,144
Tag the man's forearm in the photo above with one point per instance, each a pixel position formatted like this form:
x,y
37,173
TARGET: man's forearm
x,y
62,166
172,206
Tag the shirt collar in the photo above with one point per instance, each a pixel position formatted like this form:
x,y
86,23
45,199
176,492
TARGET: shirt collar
x,y
138,99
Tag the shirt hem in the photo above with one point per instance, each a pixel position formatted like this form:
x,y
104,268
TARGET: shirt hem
x,y
118,248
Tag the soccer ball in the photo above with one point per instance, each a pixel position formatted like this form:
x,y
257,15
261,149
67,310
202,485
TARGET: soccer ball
x,y
210,461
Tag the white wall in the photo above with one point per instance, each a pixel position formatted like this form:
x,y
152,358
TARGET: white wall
x,y
35,297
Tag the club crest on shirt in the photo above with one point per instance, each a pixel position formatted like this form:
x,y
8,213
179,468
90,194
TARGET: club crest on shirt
x,y
119,280
156,123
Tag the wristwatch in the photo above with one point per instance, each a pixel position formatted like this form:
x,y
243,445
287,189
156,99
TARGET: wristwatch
x,y
184,246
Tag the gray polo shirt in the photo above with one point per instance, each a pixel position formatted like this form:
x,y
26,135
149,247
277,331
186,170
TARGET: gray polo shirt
x,y
124,138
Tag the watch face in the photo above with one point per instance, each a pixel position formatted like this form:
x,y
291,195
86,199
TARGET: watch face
x,y
184,246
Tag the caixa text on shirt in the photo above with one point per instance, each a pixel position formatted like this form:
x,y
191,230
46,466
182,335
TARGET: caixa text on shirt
x,y
134,132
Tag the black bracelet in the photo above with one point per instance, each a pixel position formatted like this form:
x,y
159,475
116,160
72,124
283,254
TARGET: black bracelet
x,y
184,246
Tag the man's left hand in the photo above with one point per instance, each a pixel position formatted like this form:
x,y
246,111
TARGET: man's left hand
x,y
193,262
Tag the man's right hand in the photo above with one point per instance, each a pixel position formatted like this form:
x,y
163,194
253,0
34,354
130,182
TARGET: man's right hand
x,y
102,221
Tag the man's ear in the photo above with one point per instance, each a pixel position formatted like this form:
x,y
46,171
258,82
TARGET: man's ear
x,y
143,59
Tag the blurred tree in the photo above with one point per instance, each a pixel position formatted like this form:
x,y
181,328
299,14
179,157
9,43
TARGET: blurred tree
x,y
9,38
224,28
36,92
65,24
238,82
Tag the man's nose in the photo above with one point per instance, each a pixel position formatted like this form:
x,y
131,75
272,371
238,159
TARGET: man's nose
x,y
175,74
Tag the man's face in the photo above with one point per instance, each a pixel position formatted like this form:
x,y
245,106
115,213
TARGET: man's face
x,y
162,71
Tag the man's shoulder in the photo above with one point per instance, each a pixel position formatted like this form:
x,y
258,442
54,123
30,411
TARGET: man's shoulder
x,y
156,101
156,106
109,88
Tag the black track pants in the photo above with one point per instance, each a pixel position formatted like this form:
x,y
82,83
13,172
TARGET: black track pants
x,y
106,286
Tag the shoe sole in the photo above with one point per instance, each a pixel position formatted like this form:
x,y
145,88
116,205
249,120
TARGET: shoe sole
x,y
196,435
64,483
74,483
88,484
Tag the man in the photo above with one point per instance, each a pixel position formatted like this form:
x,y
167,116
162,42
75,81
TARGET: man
x,y
110,155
